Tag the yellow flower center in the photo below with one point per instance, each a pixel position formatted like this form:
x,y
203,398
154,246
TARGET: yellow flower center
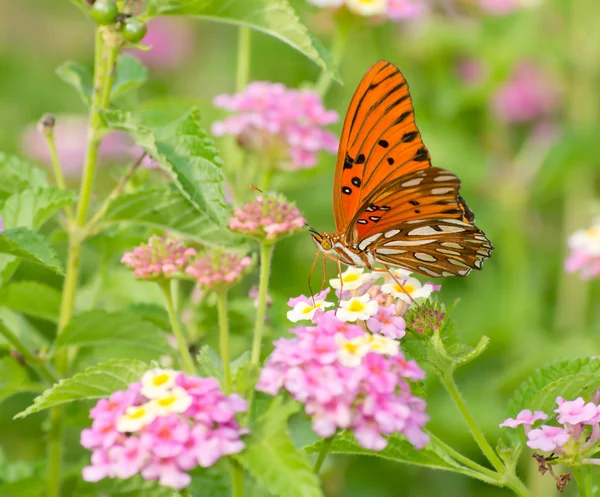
x,y
166,401
160,379
138,413
350,347
311,308
356,306
349,278
404,288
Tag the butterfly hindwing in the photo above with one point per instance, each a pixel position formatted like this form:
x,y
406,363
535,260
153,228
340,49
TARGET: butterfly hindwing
x,y
379,141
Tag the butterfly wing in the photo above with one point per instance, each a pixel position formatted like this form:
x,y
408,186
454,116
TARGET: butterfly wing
x,y
380,142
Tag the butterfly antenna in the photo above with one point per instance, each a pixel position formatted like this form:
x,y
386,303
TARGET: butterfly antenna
x,y
256,188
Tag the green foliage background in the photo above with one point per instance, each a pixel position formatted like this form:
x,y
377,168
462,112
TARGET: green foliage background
x,y
527,198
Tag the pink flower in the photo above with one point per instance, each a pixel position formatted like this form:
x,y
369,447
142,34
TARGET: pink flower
x,y
387,323
528,95
370,396
269,216
283,123
160,257
398,10
576,411
585,252
70,136
171,442
547,438
171,41
219,269
253,294
525,417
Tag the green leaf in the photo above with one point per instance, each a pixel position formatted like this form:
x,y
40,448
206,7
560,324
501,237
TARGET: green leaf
x,y
569,379
18,175
79,77
13,379
30,246
163,207
209,363
130,74
100,328
33,207
153,313
398,449
271,458
273,17
186,152
132,487
94,383
32,298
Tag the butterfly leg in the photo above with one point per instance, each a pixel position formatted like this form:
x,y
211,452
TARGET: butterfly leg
x,y
387,270
312,268
324,274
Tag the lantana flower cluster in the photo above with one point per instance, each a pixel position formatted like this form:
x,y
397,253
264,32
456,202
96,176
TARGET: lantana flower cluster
x,y
214,270
395,10
269,216
347,367
576,439
161,428
284,124
585,252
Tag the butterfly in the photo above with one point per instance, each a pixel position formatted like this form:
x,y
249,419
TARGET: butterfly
x,y
391,205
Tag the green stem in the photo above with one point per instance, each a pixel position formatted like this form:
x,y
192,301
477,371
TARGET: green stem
x,y
185,493
184,353
479,437
338,47
463,459
583,478
30,358
323,453
243,61
237,478
266,254
224,339
58,175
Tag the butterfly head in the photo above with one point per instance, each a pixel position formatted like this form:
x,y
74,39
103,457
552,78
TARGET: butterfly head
x,y
323,241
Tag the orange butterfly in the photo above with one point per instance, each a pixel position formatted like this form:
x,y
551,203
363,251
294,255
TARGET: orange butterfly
x,y
391,206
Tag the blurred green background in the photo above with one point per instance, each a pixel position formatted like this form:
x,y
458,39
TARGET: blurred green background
x,y
531,182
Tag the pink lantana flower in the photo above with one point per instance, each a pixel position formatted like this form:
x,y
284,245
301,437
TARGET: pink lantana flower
x,y
159,258
576,411
348,379
585,252
547,438
395,10
284,124
525,417
528,95
220,269
173,441
387,323
269,216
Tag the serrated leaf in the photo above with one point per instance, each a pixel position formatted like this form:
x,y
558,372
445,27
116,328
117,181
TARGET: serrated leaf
x,y
32,298
271,458
79,77
130,74
18,175
132,487
569,379
27,245
398,449
273,17
154,313
209,363
94,383
13,379
97,328
31,208
184,150
164,207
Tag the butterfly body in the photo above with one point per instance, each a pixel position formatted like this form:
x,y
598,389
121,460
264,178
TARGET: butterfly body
x,y
391,205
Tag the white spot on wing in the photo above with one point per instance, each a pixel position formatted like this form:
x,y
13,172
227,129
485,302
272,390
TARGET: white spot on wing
x,y
443,178
386,251
441,191
447,252
451,229
447,274
391,233
456,263
464,272
422,256
368,241
428,271
423,230
452,245
408,243
412,182
457,221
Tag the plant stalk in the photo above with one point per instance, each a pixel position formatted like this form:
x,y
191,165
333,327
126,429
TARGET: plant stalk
x,y
184,353
266,254
224,339
243,61
583,478
323,453
57,169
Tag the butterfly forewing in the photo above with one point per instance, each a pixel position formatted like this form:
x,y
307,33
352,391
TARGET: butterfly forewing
x,y
379,142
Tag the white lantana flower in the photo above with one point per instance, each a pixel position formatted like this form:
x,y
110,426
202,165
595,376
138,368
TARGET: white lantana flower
x,y
157,382
587,241
176,401
357,308
367,7
400,274
411,286
351,279
351,352
304,310
383,345
135,418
